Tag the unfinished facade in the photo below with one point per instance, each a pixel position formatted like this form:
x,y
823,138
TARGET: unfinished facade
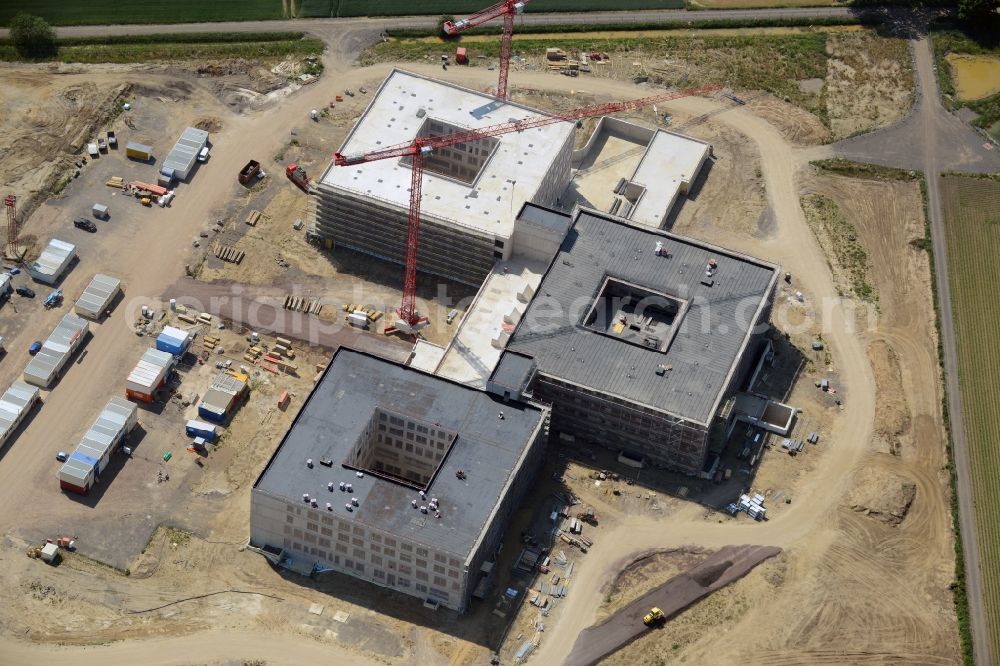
x,y
639,336
397,477
471,193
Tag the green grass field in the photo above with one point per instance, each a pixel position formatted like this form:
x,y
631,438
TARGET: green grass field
x,y
972,221
774,62
459,7
195,46
99,12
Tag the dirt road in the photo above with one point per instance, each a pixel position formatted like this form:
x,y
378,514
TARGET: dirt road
x,y
718,570
209,646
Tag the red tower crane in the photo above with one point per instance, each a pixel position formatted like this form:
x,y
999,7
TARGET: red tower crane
x,y
421,146
11,203
508,9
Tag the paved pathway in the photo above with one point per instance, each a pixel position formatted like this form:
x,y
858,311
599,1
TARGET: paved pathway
x,y
933,140
322,27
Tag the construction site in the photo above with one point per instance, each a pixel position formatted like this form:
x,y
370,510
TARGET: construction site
x,y
457,364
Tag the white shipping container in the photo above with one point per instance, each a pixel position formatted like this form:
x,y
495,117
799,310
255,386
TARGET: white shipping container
x,y
115,421
48,363
150,372
52,262
97,297
15,404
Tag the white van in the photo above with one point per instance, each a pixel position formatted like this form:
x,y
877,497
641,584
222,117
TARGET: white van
x,y
203,154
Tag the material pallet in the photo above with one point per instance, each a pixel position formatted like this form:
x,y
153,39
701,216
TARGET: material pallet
x,y
229,254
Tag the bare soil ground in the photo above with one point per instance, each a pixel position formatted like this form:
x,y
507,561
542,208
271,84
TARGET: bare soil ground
x,y
869,82
713,573
849,587
279,257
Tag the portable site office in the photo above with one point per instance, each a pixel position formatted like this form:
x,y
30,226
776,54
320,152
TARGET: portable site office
x,y
184,154
174,340
48,363
148,375
52,262
93,453
15,404
97,297
222,396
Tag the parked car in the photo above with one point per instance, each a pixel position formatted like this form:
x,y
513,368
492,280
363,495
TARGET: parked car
x,y
102,145
203,154
62,456
14,270
27,292
35,347
112,139
85,224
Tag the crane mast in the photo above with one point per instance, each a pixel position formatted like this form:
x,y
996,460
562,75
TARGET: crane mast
x,y
418,148
508,9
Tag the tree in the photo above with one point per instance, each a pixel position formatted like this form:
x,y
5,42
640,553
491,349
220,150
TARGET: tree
x,y
978,10
32,36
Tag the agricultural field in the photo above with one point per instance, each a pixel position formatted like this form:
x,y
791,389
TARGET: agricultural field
x,y
405,7
972,221
192,46
100,12
758,4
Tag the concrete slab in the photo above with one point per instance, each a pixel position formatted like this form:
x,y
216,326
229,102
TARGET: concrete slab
x,y
472,356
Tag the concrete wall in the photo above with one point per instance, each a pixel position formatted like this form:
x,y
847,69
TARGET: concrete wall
x,y
380,229
535,242
617,424
522,481
614,127
315,536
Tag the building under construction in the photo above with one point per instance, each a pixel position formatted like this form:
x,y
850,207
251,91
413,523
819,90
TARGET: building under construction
x,y
471,193
637,338
397,477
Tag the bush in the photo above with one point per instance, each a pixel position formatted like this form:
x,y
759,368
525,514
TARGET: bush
x,y
32,36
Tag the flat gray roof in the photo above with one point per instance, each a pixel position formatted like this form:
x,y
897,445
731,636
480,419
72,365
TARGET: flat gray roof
x,y
547,218
710,337
487,449
513,371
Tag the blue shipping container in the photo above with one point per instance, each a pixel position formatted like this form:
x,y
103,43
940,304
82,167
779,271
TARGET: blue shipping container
x,y
173,341
211,413
207,431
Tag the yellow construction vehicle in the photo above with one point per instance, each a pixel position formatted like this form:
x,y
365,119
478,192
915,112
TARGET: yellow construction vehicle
x,y
654,616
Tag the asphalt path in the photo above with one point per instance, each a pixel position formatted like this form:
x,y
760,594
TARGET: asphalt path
x,y
723,567
933,113
933,140
325,28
